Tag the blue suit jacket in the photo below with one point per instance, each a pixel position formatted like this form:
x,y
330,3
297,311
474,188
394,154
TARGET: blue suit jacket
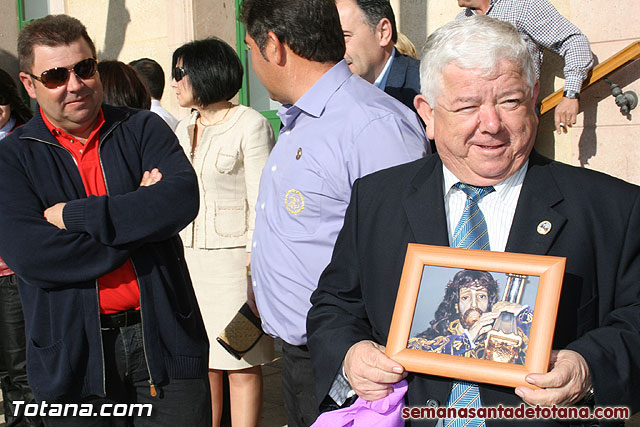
x,y
403,82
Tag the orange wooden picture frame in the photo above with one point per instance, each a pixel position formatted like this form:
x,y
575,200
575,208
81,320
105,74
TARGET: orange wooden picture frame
x,y
550,271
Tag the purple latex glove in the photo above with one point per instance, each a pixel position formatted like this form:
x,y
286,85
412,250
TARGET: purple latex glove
x,y
385,412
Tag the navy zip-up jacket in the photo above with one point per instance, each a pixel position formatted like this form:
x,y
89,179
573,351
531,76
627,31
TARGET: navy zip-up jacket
x,y
58,269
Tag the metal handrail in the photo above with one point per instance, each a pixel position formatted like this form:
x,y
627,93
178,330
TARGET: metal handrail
x,y
598,72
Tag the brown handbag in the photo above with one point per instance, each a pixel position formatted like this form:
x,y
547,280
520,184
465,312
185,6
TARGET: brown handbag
x,y
242,333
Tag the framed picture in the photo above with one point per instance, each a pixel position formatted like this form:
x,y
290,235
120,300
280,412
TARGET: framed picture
x,y
475,315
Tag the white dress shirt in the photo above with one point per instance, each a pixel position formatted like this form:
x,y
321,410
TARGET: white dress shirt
x,y
498,207
157,108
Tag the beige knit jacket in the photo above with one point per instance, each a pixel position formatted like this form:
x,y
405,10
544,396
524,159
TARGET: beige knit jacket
x,y
228,161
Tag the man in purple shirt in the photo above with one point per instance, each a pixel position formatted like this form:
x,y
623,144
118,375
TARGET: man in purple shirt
x,y
336,128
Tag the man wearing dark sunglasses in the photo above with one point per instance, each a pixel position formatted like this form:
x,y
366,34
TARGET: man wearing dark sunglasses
x,y
92,198
64,81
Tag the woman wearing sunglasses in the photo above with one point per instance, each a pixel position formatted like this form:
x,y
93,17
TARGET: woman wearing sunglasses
x,y
228,146
13,113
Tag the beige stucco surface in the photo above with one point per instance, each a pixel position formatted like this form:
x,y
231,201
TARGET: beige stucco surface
x,y
8,37
602,139
130,29
127,30
607,140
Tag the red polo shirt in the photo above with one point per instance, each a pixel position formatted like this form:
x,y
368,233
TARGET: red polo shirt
x,y
118,290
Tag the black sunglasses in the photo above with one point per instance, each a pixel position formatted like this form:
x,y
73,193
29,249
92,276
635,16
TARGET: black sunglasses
x,y
178,73
4,100
58,76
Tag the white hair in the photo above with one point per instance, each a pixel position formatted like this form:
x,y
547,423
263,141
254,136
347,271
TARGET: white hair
x,y
478,42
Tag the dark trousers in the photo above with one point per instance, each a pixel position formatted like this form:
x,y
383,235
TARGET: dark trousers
x,y
179,402
13,366
298,390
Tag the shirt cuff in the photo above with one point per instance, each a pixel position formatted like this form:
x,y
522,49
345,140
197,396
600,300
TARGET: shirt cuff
x,y
340,390
573,83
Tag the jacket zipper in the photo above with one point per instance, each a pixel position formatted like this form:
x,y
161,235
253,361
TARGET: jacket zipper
x,y
152,387
104,380
104,374
55,145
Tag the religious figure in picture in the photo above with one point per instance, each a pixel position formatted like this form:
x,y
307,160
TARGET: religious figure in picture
x,y
471,321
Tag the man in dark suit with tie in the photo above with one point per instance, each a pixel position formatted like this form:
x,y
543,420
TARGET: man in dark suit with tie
x,y
479,91
370,35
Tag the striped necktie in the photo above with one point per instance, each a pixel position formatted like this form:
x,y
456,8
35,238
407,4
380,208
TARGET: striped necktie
x,y
471,233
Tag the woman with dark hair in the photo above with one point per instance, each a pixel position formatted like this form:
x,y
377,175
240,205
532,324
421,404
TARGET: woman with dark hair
x,y
13,373
122,87
228,146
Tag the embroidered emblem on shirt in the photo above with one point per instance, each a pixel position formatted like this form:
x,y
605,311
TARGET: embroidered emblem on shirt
x,y
294,201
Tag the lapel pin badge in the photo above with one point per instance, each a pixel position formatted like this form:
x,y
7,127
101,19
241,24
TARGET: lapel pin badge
x,y
299,153
544,227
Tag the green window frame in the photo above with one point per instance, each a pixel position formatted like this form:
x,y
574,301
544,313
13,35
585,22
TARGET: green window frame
x,y
20,7
243,53
21,23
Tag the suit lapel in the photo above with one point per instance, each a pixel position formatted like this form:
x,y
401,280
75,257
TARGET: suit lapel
x,y
535,210
424,205
397,72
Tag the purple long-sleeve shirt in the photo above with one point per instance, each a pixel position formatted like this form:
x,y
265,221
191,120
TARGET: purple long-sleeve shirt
x,y
341,129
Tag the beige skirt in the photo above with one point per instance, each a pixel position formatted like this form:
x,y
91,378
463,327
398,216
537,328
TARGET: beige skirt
x,y
220,282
